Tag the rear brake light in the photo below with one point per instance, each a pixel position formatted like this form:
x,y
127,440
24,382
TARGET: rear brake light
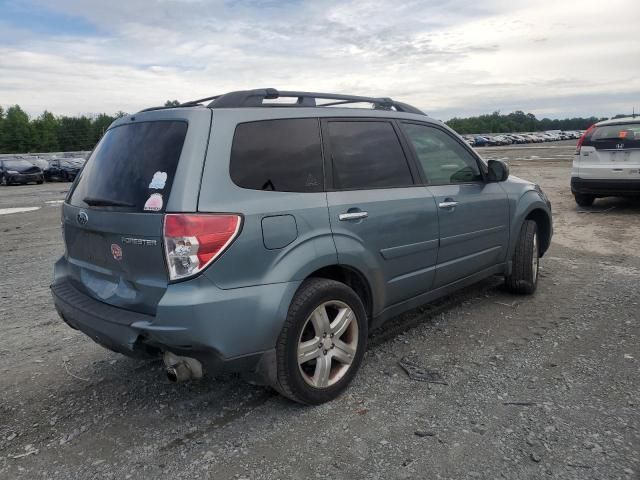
x,y
192,242
584,135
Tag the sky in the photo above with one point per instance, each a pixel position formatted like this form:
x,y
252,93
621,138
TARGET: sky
x,y
449,58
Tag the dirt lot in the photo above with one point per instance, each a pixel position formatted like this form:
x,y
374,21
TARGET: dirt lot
x,y
546,386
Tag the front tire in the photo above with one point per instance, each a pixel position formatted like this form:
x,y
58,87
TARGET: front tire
x,y
584,200
322,342
526,261
3,181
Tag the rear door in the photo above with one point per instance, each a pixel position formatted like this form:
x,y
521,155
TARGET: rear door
x,y
611,152
382,222
473,214
113,217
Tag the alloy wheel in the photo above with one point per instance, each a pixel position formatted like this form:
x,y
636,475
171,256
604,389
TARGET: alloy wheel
x,y
328,343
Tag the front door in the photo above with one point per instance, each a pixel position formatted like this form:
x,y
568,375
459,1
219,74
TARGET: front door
x,y
473,213
382,222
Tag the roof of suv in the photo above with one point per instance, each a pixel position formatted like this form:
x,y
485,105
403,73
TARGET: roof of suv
x,y
256,98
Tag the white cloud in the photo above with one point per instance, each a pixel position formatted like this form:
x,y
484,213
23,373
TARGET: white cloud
x,y
449,58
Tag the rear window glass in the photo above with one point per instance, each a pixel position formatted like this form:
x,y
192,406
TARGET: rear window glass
x,y
278,155
615,136
132,167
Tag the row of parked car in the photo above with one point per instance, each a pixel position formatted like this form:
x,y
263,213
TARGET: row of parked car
x,y
25,170
520,138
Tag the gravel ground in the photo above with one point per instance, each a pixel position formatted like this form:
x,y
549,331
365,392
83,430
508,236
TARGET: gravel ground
x,y
542,386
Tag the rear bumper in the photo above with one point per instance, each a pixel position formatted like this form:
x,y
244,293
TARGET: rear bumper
x,y
605,187
226,330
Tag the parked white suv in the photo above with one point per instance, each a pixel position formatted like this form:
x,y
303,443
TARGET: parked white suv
x,y
607,161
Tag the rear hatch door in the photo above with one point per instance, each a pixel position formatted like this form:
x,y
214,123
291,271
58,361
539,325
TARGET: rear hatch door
x,y
113,217
611,152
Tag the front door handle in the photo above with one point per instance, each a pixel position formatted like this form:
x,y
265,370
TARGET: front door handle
x,y
448,204
352,216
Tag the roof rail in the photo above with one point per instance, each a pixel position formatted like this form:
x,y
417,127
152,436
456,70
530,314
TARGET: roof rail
x,y
191,103
255,98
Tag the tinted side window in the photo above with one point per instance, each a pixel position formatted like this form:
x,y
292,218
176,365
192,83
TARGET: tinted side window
x,y
278,155
367,155
442,159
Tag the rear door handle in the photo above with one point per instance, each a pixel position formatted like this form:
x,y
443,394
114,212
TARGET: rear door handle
x,y
352,216
448,204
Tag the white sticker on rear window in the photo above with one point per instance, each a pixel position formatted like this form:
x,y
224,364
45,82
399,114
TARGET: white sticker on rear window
x,y
153,203
158,181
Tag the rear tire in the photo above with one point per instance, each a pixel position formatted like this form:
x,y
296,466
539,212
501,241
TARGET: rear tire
x,y
584,200
322,342
526,261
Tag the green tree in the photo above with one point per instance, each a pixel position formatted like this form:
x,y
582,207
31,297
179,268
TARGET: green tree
x,y
171,103
18,132
100,125
45,129
75,133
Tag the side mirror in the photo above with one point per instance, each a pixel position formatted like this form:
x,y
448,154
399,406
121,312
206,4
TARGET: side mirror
x,y
498,171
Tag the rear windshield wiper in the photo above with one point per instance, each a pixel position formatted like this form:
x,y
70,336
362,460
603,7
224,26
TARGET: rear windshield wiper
x,y
105,202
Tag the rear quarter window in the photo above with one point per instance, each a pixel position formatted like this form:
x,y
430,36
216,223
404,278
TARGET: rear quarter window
x,y
132,167
278,155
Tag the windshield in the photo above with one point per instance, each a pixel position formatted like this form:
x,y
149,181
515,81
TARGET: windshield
x,y
70,163
132,167
17,164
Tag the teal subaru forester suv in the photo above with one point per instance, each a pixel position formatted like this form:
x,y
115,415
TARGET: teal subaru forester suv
x,y
267,232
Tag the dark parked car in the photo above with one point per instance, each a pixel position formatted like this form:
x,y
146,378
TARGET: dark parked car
x,y
19,171
63,169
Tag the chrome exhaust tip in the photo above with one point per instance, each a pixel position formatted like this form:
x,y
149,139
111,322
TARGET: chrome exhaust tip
x,y
181,369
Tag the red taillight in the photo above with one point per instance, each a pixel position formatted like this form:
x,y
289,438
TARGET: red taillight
x,y
192,242
584,135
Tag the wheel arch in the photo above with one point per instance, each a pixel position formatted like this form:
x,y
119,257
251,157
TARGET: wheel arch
x,y
354,279
543,222
530,206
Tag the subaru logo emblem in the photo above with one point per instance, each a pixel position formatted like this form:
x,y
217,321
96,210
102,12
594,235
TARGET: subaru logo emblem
x,y
83,218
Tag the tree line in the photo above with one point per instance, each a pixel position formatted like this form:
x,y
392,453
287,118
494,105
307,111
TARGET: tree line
x,y
517,121
50,133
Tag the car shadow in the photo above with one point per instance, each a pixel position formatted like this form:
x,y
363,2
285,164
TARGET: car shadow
x,y
621,205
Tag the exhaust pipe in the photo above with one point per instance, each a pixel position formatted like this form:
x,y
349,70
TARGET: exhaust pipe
x,y
181,369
